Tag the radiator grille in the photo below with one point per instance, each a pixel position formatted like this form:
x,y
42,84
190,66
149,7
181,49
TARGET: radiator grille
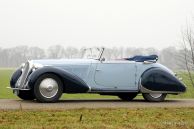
x,y
24,75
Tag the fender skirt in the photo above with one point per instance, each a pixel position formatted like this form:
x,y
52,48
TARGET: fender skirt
x,y
71,83
159,80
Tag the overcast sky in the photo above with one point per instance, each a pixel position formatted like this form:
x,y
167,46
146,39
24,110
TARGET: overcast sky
x,y
109,23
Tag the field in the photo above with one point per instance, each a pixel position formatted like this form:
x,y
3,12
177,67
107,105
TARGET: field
x,y
6,73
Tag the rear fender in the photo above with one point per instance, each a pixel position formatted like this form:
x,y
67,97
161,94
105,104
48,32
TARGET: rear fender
x,y
158,80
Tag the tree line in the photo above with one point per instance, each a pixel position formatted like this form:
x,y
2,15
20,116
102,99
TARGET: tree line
x,y
13,57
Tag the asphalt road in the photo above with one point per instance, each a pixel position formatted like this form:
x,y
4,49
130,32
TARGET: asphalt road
x,y
11,104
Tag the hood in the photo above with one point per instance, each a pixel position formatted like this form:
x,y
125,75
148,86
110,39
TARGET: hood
x,y
78,67
62,62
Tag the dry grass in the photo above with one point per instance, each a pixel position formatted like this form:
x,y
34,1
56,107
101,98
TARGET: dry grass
x,y
144,118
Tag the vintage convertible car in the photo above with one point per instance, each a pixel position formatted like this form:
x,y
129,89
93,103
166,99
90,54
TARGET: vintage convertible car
x,y
47,80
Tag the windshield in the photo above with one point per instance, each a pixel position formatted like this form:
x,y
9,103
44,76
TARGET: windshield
x,y
92,53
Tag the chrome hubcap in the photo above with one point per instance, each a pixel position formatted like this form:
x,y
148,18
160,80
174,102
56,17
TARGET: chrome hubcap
x,y
48,87
155,95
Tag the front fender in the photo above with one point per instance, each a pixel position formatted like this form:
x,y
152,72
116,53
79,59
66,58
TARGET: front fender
x,y
72,83
160,80
15,76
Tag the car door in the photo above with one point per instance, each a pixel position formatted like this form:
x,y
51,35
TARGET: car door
x,y
115,75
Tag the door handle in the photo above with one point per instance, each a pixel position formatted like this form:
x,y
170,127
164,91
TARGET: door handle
x,y
98,70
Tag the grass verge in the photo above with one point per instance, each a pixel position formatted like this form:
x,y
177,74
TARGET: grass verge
x,y
152,118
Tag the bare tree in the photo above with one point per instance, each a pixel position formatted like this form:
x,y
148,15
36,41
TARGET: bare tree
x,y
116,53
13,57
55,52
188,45
71,52
16,55
151,51
36,53
168,57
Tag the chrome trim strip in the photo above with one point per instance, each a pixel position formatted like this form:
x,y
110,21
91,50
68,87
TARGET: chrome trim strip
x,y
113,91
89,90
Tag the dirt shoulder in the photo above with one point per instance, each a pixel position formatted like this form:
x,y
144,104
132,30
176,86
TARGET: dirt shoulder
x,y
9,104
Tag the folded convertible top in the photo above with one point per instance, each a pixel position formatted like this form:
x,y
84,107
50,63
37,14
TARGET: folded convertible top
x,y
140,58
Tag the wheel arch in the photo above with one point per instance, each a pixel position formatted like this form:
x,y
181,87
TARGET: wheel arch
x,y
71,82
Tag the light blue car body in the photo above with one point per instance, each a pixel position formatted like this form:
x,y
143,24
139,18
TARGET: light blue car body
x,y
125,77
113,75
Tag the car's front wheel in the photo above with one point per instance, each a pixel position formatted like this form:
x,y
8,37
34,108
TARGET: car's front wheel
x,y
154,97
48,88
127,97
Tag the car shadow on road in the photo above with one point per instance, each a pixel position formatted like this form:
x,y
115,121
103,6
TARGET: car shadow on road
x,y
104,101
109,100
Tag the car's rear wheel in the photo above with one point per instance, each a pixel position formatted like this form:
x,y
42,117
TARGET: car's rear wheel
x,y
127,97
48,88
154,97
26,95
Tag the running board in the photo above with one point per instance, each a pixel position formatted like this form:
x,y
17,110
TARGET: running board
x,y
112,91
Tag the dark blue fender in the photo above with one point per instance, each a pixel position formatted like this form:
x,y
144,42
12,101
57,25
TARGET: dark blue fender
x,y
15,76
157,79
72,83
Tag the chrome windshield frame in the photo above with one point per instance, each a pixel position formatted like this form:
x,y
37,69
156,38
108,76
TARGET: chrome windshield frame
x,y
99,56
101,53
